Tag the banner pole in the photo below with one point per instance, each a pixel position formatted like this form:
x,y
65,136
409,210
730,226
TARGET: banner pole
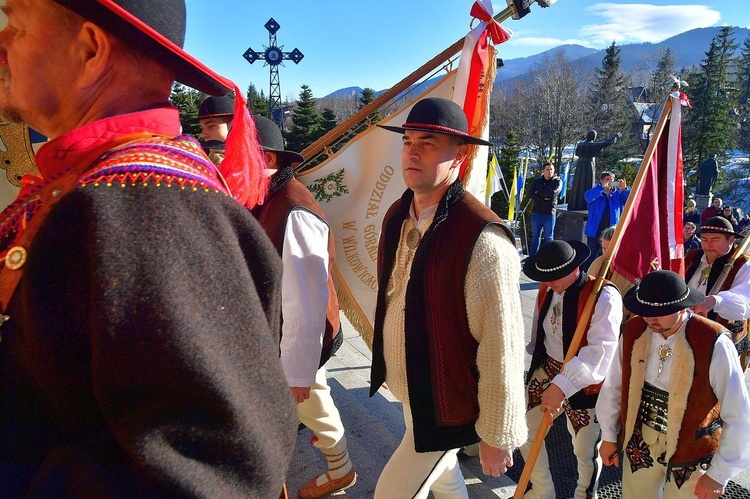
x,y
327,139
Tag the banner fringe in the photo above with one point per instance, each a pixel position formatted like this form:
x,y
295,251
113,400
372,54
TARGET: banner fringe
x,y
351,308
484,97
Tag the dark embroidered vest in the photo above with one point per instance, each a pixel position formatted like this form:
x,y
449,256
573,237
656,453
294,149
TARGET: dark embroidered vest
x,y
285,194
574,301
441,353
692,261
701,426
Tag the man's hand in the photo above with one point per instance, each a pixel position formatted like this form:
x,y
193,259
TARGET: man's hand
x,y
622,184
607,187
708,488
495,461
610,453
703,308
552,400
300,393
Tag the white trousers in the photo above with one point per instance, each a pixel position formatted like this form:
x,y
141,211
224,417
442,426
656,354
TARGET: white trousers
x,y
410,474
586,443
320,414
650,477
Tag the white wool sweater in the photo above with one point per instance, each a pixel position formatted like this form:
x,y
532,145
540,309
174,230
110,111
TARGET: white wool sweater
x,y
495,320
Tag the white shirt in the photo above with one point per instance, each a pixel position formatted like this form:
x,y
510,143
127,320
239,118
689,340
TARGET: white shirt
x,y
590,365
728,383
732,304
304,296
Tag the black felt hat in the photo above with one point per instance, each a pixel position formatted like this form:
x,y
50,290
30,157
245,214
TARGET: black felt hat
x,y
435,114
555,260
157,29
271,140
718,225
660,293
216,107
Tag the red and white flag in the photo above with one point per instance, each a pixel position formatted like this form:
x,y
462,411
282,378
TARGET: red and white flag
x,y
652,235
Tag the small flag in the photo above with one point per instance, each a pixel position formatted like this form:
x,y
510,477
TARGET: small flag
x,y
494,176
565,172
512,198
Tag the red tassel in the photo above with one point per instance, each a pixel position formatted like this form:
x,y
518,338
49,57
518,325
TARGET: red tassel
x,y
243,167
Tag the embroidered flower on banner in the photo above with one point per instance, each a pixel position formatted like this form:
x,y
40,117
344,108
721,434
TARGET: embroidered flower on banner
x,y
326,188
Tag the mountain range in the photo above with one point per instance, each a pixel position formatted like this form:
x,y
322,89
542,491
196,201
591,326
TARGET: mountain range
x,y
689,49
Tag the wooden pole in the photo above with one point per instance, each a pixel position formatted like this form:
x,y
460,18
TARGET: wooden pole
x,y
327,139
741,248
588,309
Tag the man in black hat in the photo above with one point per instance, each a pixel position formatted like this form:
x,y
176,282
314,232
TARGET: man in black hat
x,y
139,300
727,294
573,388
311,330
675,398
448,323
215,115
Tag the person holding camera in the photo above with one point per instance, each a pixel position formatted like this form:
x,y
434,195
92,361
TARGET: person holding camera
x,y
605,203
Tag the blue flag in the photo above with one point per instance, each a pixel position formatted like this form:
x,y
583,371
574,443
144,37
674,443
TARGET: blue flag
x,y
565,172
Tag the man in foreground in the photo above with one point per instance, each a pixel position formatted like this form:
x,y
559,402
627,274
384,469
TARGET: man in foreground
x,y
448,298
675,398
573,388
310,330
139,350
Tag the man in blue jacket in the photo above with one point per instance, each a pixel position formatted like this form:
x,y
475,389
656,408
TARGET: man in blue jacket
x,y
544,191
605,203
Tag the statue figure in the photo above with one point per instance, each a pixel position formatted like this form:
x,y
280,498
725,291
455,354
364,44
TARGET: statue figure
x,y
707,173
587,151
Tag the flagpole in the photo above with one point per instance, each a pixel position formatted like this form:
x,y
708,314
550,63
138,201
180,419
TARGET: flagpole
x,y
327,139
588,309
741,248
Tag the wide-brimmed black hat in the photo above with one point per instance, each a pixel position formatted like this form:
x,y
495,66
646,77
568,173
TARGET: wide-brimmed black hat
x,y
271,140
555,260
216,107
435,114
718,225
659,293
156,28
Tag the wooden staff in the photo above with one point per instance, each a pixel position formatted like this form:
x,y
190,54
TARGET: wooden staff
x,y
588,309
741,248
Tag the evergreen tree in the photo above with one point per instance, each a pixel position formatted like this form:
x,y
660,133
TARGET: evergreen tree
x,y
306,125
187,101
368,95
329,120
609,109
661,81
743,139
710,127
256,102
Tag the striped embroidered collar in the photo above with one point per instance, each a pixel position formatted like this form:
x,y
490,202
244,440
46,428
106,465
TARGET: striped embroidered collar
x,y
61,152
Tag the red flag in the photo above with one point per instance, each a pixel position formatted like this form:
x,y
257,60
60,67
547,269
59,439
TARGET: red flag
x,y
652,236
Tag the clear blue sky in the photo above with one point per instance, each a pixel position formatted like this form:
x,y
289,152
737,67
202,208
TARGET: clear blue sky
x,y
378,43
